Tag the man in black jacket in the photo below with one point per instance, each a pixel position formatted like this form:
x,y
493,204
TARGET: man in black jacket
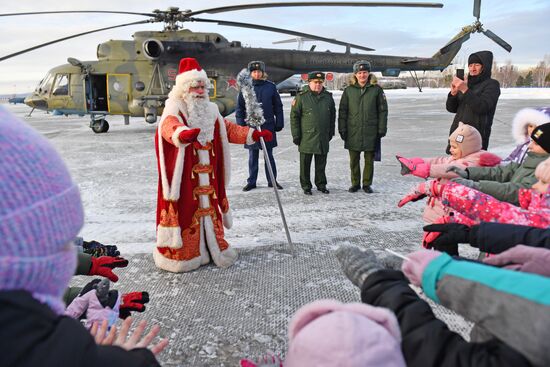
x,y
474,100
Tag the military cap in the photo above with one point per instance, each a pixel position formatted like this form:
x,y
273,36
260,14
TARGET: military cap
x,y
256,65
316,75
361,65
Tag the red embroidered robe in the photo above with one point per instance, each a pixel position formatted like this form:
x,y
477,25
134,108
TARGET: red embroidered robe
x,y
192,205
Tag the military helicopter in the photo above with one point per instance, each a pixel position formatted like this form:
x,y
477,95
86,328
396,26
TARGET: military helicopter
x,y
133,77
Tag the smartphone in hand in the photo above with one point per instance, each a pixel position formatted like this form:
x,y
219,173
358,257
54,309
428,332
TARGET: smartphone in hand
x,y
460,74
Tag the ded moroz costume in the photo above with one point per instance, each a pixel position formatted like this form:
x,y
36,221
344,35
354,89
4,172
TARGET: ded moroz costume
x,y
194,170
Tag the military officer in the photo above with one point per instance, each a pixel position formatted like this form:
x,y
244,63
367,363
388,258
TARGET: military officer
x,y
312,123
362,120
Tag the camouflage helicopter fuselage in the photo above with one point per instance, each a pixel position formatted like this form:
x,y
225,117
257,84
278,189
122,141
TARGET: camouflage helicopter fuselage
x,y
137,75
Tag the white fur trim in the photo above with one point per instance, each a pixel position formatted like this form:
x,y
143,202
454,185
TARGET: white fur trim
x,y
175,266
223,259
169,237
249,140
225,144
175,137
525,117
192,76
171,191
227,219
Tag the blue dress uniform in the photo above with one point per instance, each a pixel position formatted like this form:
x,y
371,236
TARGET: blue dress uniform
x,y
267,95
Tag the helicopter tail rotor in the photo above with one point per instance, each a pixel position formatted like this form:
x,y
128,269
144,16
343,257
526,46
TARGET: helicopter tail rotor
x,y
502,43
476,27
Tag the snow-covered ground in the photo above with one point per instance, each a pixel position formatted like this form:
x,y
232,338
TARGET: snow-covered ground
x,y
213,316
117,172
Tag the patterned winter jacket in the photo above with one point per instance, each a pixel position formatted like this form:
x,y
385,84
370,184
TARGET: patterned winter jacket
x,y
438,169
519,315
504,182
480,207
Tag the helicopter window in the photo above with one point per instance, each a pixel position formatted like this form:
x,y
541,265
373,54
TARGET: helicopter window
x,y
218,39
61,85
45,84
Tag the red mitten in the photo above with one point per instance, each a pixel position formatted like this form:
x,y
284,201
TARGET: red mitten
x,y
134,301
188,136
488,159
266,134
104,266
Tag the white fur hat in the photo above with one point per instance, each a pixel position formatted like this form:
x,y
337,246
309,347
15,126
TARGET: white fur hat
x,y
526,116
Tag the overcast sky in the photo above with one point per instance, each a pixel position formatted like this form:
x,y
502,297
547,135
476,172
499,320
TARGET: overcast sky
x,y
392,31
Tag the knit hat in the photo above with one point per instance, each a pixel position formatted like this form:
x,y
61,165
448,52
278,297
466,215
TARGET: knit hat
x,y
541,136
467,137
256,65
542,172
40,214
329,333
474,59
361,65
528,116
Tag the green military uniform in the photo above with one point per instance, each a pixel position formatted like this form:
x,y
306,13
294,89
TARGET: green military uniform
x,y
362,119
312,122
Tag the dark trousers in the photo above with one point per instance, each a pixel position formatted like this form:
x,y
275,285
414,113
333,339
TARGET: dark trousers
x,y
253,155
368,170
305,168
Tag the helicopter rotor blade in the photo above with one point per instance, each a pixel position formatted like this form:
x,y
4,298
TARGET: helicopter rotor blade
x,y
502,43
443,50
222,9
477,8
281,30
76,12
69,37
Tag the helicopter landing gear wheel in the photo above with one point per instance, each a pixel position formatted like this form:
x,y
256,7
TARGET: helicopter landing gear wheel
x,y
100,126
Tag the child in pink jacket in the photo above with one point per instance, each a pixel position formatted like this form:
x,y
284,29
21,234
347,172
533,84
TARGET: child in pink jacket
x,y
466,151
476,206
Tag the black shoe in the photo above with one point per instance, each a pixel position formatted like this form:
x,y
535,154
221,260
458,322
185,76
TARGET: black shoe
x,y
367,189
278,186
354,188
249,187
323,190
308,192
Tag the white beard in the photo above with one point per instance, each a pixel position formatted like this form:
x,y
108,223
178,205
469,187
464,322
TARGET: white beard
x,y
200,116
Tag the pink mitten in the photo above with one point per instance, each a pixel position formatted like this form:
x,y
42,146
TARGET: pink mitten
x,y
422,170
408,165
417,263
420,191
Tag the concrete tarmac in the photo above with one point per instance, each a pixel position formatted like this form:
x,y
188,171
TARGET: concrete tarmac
x,y
212,316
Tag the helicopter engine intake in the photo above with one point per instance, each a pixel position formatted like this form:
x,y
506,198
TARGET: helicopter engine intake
x,y
153,48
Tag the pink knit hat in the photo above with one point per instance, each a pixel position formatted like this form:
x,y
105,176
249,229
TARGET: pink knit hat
x,y
40,213
467,137
329,333
542,172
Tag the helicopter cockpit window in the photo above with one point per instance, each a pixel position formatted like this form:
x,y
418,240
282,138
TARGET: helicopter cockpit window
x,y
45,84
61,85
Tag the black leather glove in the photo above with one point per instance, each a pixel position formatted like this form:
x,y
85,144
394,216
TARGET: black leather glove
x,y
381,135
296,141
451,235
278,128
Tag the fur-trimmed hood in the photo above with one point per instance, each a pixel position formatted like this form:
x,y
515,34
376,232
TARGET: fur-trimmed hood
x,y
526,116
372,80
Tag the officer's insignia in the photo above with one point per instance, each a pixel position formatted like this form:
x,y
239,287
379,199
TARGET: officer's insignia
x,y
319,75
459,138
538,134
